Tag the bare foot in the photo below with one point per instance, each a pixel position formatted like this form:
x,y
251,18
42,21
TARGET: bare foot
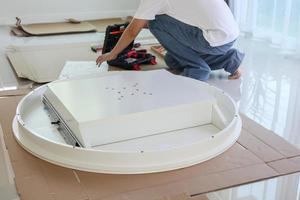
x,y
236,75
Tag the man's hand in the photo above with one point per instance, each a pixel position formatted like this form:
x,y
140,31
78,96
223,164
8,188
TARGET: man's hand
x,y
106,57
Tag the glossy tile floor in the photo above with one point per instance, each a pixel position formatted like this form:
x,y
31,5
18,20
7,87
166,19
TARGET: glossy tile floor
x,y
269,93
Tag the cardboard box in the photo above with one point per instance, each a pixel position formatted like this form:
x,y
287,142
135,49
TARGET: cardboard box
x,y
259,154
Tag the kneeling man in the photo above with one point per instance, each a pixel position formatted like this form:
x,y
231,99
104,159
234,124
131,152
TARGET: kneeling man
x,y
197,34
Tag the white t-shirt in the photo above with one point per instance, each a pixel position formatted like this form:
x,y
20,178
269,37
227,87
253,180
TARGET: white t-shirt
x,y
213,17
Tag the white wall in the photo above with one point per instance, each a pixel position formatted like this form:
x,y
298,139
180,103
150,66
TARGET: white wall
x,y
33,11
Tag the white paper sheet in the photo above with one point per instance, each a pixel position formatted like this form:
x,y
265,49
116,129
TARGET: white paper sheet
x,y
76,68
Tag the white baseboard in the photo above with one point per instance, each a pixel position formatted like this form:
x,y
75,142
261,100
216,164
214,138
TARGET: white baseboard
x,y
59,17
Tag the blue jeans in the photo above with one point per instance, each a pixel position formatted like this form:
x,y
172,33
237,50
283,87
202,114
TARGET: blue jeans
x,y
190,52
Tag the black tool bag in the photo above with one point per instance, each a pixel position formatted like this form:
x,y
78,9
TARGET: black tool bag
x,y
112,35
129,58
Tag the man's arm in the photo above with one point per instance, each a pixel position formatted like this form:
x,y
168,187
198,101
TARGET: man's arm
x,y
131,32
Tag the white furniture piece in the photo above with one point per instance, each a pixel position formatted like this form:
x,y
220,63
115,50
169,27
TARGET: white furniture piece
x,y
127,122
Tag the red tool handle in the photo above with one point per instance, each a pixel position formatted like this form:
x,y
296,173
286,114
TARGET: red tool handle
x,y
116,32
131,54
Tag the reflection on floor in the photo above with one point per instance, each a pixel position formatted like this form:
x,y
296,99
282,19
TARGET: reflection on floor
x,y
269,93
